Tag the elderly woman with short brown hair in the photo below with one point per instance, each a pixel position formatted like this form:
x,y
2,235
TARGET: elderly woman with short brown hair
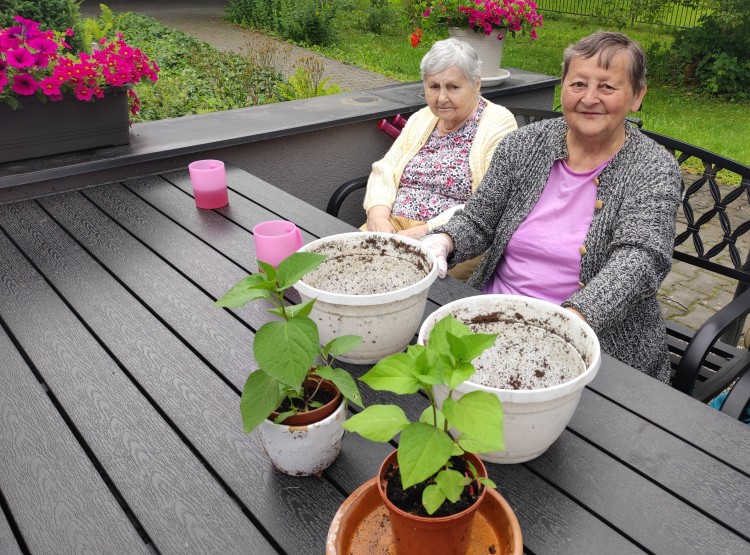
x,y
581,210
443,152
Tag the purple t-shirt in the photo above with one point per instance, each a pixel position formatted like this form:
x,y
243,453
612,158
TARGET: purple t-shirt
x,y
543,257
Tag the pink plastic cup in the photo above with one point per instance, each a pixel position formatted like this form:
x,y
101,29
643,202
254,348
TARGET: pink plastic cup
x,y
209,181
275,240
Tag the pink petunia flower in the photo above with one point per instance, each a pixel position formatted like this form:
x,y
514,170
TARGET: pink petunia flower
x,y
20,58
24,84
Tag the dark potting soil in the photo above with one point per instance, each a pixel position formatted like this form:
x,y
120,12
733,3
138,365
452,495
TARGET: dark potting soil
x,y
322,396
410,500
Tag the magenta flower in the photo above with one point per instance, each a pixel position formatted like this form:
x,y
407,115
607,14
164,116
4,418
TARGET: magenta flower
x,y
24,84
32,60
20,57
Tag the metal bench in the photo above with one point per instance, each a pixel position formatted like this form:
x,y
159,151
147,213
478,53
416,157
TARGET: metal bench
x,y
704,362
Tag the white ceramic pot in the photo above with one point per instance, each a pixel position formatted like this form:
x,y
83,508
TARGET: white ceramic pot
x,y
488,47
373,285
534,335
304,450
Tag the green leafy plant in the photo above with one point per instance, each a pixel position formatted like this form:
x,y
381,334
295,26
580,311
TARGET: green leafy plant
x,y
287,351
307,81
426,447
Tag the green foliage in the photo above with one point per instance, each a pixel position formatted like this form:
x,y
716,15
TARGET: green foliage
x,y
426,447
195,78
714,56
286,350
95,29
52,14
307,81
302,21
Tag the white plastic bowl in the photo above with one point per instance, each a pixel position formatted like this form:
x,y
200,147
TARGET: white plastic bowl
x,y
386,321
532,418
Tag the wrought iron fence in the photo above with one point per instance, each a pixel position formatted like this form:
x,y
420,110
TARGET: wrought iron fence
x,y
626,11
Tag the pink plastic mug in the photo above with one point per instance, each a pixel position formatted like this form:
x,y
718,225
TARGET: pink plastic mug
x,y
209,181
275,240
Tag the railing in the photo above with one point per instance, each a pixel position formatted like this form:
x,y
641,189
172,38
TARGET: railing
x,y
632,11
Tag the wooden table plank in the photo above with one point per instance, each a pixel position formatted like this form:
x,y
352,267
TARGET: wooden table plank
x,y
179,303
635,506
8,543
202,406
707,429
175,499
40,459
683,470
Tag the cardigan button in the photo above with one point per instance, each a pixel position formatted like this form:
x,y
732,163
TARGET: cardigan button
x,y
596,181
599,204
581,284
582,249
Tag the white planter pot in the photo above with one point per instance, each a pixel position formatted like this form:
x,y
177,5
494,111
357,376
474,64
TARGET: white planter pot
x,y
532,418
304,450
488,47
358,262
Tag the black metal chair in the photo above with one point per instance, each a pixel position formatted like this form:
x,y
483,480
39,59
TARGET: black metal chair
x,y
704,362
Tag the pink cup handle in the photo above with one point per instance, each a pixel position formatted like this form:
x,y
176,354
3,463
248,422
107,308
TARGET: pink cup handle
x,y
299,237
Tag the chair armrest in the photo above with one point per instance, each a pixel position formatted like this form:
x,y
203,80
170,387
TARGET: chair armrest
x,y
696,351
340,194
738,399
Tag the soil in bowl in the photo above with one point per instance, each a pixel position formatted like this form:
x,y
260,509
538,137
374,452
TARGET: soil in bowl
x,y
526,354
373,266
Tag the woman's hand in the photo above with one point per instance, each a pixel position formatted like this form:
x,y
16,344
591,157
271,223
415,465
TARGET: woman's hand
x,y
415,232
379,219
441,245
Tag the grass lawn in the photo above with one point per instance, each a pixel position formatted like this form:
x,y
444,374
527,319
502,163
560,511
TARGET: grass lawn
x,y
712,124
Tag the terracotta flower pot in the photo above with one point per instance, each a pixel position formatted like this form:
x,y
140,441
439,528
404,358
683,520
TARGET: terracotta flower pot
x,y
417,535
312,416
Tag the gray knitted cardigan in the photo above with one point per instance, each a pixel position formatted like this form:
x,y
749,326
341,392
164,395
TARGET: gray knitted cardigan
x,y
628,248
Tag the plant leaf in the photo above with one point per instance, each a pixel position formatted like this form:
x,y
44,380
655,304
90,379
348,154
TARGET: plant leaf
x,y
260,397
286,350
296,265
267,269
479,416
299,310
428,418
437,341
468,347
343,344
486,482
456,376
378,422
432,498
452,483
394,373
343,380
283,416
422,451
254,286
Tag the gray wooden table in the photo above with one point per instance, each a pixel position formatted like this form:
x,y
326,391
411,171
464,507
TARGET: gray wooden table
x,y
119,395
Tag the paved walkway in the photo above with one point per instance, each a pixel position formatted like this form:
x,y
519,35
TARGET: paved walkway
x,y
689,296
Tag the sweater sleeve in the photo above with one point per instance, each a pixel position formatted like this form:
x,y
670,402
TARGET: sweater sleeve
x,y
386,173
639,255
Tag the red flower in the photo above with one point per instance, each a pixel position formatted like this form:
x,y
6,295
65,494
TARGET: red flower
x,y
416,38
20,57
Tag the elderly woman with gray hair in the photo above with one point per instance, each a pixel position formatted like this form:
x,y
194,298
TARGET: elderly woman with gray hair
x,y
443,152
581,210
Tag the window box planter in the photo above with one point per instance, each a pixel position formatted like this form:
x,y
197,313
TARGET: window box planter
x,y
43,129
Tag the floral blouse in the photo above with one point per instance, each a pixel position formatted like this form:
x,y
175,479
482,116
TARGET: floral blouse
x,y
438,177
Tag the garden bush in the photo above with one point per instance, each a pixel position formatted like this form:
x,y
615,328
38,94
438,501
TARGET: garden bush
x,y
195,77
714,56
306,22
57,15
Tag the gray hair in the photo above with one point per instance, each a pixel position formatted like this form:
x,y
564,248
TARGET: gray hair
x,y
606,45
449,53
